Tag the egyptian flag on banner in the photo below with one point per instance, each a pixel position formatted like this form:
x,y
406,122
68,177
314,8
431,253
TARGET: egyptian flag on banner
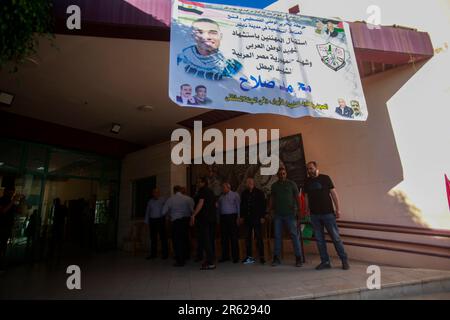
x,y
190,6
447,185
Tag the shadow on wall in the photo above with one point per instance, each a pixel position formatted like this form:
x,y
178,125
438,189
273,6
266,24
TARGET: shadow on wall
x,y
406,207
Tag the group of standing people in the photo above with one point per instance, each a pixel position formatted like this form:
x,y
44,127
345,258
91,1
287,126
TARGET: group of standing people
x,y
251,210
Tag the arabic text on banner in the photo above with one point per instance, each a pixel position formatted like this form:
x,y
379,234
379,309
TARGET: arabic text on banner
x,y
259,61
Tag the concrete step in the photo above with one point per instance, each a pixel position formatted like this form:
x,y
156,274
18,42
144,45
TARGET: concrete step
x,y
430,296
427,289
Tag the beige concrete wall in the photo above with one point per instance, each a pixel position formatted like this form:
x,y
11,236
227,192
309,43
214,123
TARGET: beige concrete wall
x,y
389,169
154,160
363,159
400,178
178,174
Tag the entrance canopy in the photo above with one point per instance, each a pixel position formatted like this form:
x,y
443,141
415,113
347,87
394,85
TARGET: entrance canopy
x,y
104,73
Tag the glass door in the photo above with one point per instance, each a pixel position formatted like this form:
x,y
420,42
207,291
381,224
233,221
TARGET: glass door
x,y
24,234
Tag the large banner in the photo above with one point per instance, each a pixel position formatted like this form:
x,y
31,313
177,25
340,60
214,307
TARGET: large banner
x,y
258,61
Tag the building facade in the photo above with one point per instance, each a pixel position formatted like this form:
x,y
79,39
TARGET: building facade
x,y
389,170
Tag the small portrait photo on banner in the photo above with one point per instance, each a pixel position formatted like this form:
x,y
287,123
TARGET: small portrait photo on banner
x,y
201,95
185,96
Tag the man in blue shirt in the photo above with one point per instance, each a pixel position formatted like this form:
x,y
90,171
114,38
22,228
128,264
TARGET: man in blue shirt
x,y
154,217
228,206
179,208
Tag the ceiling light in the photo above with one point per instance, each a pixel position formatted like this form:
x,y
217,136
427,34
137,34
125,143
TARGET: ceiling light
x,y
1,164
115,128
6,98
146,108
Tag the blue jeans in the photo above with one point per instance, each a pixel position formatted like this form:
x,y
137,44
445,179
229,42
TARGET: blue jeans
x,y
291,223
327,221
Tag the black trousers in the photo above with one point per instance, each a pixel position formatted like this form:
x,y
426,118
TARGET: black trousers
x,y
157,227
211,237
180,238
229,235
205,240
4,236
256,227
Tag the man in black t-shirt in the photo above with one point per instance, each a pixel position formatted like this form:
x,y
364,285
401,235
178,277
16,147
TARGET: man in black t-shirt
x,y
204,217
320,196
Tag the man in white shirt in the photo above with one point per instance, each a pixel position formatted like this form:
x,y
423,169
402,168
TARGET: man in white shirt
x,y
154,218
179,208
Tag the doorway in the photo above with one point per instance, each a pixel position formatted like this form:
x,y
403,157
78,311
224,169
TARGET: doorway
x,y
86,187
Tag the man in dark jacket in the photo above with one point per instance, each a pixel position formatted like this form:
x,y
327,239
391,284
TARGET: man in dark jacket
x,y
253,211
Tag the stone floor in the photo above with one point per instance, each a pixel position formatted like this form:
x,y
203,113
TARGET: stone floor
x,y
122,276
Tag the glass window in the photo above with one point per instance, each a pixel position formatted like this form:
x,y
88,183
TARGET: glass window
x,y
25,230
111,169
36,158
10,154
65,163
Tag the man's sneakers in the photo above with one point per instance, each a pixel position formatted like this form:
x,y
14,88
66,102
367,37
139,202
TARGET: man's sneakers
x,y
207,266
324,265
276,261
345,265
327,265
248,260
251,260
